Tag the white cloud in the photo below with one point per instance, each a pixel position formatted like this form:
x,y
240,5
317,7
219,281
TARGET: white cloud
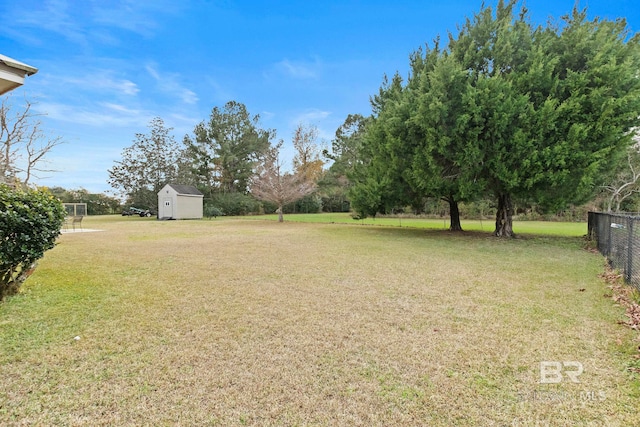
x,y
122,86
302,70
316,117
105,81
182,124
53,16
310,116
134,15
126,20
85,22
267,115
78,166
99,115
219,92
121,108
170,84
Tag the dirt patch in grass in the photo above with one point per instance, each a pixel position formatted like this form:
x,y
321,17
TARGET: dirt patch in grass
x,y
258,323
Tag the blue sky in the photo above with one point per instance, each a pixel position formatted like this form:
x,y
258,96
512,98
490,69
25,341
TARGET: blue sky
x,y
107,67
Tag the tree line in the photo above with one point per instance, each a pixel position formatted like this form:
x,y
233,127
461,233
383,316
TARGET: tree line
x,y
230,158
503,111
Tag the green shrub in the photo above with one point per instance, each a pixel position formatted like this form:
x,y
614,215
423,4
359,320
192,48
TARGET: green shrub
x,y
30,222
212,211
236,203
269,207
311,203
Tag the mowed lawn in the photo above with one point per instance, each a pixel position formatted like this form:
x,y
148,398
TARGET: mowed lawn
x,y
237,322
553,228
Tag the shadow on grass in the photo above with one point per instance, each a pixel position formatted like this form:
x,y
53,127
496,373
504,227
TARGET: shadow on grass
x,y
471,235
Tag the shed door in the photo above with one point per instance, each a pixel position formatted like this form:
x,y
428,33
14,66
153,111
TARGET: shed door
x,y
167,208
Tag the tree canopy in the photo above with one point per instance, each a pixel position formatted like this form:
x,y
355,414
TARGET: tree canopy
x,y
345,154
307,160
506,109
151,162
226,149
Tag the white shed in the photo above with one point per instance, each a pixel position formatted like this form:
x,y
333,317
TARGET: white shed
x,y
180,202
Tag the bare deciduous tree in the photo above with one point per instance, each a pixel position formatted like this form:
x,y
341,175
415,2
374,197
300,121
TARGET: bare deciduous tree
x,y
23,144
626,182
307,160
272,184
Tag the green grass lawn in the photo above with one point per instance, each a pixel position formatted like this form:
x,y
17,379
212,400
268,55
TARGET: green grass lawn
x,y
233,322
520,227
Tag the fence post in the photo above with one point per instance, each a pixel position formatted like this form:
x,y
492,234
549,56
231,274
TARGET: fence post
x,y
629,263
609,238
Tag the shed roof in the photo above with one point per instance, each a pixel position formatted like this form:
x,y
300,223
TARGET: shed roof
x,y
186,189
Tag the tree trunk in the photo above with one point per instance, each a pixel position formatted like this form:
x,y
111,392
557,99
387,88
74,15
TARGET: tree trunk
x,y
610,203
11,281
504,217
454,214
280,216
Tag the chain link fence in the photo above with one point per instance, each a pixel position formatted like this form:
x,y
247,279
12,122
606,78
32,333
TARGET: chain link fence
x,y
618,238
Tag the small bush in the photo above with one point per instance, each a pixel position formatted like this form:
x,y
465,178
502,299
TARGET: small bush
x,y
212,211
30,222
235,203
308,204
269,207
